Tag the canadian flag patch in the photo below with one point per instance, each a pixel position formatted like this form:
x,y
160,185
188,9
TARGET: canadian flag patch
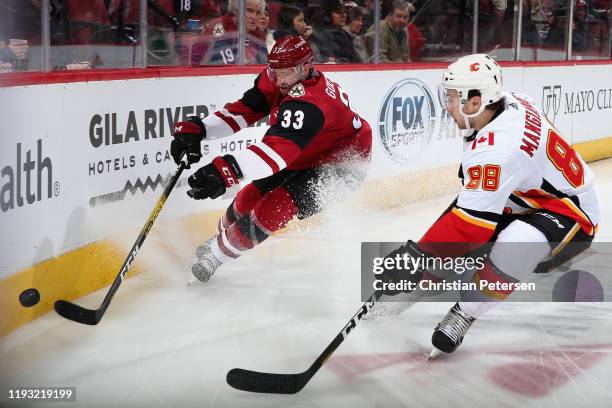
x,y
484,140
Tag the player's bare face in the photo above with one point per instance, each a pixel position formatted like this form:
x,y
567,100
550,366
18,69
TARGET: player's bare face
x,y
453,106
284,78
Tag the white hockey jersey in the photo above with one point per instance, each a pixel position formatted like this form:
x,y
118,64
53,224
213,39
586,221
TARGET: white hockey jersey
x,y
517,163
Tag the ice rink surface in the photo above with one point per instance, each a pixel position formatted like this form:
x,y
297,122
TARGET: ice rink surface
x,y
164,344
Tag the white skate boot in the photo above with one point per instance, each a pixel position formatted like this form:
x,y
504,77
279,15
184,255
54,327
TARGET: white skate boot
x,y
205,267
205,248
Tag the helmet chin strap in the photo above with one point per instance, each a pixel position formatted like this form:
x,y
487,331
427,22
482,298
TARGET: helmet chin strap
x,y
466,119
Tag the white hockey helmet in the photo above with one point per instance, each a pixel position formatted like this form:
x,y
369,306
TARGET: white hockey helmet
x,y
473,72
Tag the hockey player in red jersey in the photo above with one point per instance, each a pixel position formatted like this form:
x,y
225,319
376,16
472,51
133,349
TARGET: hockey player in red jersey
x,y
314,140
522,183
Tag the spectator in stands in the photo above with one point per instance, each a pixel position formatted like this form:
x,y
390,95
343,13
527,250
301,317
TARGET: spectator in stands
x,y
416,39
13,54
217,44
368,18
225,33
15,30
263,23
334,44
291,22
354,17
7,56
394,43
495,26
582,36
540,21
601,10
354,24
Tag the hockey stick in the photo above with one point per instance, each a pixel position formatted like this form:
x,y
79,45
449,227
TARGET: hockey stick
x,y
255,381
80,314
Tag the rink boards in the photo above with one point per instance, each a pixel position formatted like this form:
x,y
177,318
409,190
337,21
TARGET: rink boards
x,y
83,162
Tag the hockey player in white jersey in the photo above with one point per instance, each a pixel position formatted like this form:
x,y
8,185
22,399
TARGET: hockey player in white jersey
x,y
522,183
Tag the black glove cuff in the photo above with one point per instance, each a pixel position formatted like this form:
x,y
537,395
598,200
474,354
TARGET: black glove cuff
x,y
231,160
414,249
197,121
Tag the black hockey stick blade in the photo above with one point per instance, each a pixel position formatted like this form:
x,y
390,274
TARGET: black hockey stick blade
x,y
254,381
77,313
272,383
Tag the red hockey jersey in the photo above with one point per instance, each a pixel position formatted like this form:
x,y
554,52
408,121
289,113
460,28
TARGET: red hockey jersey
x,y
312,125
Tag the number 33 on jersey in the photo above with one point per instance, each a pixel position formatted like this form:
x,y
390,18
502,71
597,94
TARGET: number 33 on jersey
x,y
317,117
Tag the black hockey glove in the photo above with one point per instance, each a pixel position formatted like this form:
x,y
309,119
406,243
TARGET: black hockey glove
x,y
187,138
212,180
404,268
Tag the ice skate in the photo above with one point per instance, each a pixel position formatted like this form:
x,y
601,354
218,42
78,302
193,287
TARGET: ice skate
x,y
205,267
449,333
205,248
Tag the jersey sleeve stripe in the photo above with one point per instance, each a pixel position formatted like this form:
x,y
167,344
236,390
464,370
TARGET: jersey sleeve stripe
x,y
216,127
564,206
568,237
520,202
586,222
229,120
481,222
485,215
460,227
238,118
266,158
529,200
225,247
271,153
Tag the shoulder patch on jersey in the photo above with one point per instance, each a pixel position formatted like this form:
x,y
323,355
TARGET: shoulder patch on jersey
x,y
218,30
297,91
484,140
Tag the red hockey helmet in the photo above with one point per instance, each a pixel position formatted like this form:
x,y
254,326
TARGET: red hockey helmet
x,y
289,51
287,61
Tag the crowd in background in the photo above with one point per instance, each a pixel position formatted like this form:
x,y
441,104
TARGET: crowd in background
x,y
205,32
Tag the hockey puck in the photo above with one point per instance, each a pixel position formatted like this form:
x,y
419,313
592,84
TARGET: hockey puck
x,y
29,297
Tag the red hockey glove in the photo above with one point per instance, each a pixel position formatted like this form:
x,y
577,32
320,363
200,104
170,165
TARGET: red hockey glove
x,y
187,138
212,180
